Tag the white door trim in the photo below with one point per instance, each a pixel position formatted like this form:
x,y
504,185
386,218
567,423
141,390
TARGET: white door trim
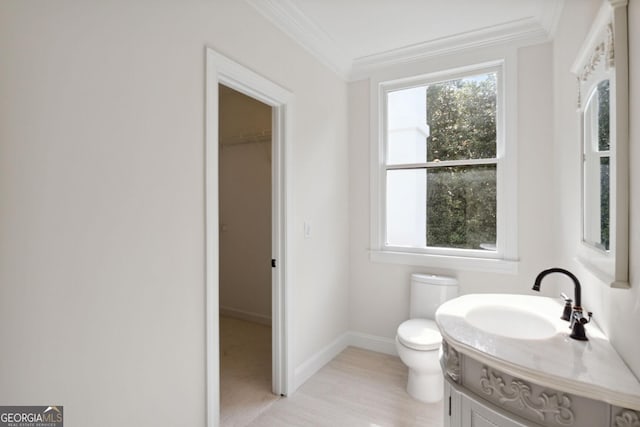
x,y
220,69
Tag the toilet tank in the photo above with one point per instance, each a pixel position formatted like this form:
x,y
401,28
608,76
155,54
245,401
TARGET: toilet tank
x,y
428,291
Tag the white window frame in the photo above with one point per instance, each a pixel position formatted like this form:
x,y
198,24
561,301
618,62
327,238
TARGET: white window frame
x,y
504,259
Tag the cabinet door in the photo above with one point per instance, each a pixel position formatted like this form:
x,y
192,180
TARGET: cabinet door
x,y
451,406
476,414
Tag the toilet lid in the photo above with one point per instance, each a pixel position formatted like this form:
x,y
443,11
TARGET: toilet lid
x,y
420,334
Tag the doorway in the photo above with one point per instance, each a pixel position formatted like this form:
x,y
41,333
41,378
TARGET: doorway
x,y
245,199
220,70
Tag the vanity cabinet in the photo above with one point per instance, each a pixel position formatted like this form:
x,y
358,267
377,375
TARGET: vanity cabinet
x,y
463,409
478,394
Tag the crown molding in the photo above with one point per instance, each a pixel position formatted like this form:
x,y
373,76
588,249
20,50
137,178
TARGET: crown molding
x,y
523,31
551,19
285,15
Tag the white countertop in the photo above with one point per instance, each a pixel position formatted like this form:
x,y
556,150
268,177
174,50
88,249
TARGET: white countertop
x,y
590,368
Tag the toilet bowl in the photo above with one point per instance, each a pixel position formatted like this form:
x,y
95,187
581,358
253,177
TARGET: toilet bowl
x,y
418,343
418,339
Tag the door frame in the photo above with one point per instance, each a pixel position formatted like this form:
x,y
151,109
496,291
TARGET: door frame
x,y
222,70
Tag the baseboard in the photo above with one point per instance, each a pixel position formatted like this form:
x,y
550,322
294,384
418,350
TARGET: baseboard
x,y
245,315
373,342
356,339
317,361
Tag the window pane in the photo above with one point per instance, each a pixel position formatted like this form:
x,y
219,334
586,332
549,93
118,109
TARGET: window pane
x,y
407,126
461,207
461,115
406,207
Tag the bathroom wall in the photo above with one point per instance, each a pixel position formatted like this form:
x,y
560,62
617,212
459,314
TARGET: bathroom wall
x,y
102,296
245,207
617,311
379,293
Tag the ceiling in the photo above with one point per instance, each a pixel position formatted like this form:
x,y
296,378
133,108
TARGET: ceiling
x,y
353,37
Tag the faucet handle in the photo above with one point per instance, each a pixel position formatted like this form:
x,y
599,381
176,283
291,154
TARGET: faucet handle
x,y
566,312
577,324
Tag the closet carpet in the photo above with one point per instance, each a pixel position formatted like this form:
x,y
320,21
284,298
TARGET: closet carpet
x,y
245,371
357,388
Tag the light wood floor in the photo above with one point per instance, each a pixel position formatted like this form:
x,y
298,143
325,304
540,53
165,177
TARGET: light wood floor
x,y
357,388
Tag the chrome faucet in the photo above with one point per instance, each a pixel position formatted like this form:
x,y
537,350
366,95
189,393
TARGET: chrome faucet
x,y
577,317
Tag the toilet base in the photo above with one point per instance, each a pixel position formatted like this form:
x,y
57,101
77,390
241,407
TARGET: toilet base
x,y
425,382
428,388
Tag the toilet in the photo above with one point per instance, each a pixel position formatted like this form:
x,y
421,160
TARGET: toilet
x,y
418,339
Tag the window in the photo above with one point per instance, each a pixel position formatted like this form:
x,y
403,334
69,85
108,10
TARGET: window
x,y
442,192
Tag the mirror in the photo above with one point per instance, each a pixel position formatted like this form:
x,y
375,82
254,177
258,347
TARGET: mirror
x,y
596,158
602,73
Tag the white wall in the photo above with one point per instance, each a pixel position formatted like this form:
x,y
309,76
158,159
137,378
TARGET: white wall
x,y
102,201
617,311
245,207
379,294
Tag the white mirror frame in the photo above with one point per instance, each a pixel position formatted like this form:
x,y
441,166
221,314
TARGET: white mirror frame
x,y
604,55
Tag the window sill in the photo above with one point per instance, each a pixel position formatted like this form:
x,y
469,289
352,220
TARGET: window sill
x,y
485,265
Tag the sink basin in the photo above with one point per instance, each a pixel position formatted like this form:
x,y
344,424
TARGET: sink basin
x,y
509,316
510,322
